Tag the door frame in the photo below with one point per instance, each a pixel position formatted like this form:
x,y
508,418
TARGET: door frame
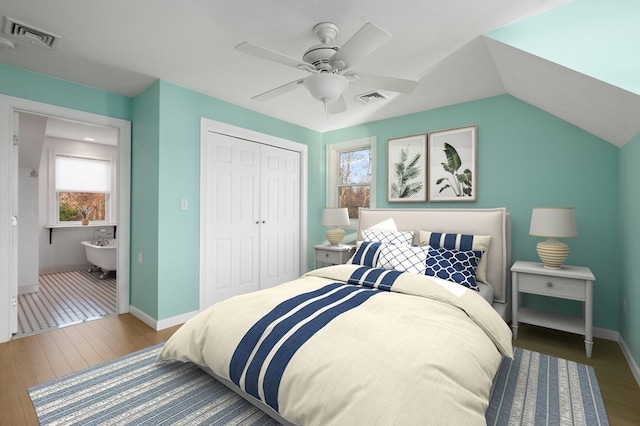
x,y
207,126
9,105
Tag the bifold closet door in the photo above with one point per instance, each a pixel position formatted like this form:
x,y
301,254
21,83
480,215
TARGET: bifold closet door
x,y
280,216
252,212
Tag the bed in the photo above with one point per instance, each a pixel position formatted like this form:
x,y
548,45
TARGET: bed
x,y
364,344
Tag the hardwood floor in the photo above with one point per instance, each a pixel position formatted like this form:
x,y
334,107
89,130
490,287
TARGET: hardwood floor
x,y
39,358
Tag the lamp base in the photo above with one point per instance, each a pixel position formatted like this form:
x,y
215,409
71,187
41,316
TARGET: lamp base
x,y
335,235
552,253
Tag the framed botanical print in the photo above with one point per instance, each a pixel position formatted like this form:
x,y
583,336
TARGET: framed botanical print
x,y
452,165
406,169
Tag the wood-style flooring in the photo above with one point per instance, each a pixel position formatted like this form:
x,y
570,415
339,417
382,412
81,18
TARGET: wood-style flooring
x,y
42,357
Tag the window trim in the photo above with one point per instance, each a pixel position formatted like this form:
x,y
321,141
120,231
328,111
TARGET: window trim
x,y
332,155
53,211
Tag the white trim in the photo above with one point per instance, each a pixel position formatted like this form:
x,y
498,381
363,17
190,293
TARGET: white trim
x,y
26,289
206,126
633,366
615,336
161,324
606,334
9,105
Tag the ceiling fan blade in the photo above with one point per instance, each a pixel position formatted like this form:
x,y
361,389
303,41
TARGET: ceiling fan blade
x,y
337,106
279,90
271,55
366,40
381,82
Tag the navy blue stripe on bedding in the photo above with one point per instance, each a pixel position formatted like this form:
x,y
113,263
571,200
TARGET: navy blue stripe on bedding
x,y
262,338
381,279
280,330
251,338
278,364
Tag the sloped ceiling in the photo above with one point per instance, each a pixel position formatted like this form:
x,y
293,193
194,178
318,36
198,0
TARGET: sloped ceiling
x,y
125,46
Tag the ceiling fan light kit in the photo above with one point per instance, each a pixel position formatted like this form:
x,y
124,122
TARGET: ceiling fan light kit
x,y
329,65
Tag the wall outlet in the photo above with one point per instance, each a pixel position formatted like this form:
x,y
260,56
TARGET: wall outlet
x,y
140,257
624,305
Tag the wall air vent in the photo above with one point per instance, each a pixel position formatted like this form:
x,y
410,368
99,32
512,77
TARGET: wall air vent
x,y
21,31
371,97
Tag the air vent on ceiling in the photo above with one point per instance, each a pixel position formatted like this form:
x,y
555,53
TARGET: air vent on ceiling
x,y
22,31
371,97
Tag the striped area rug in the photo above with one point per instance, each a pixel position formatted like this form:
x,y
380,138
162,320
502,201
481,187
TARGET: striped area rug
x,y
533,389
65,298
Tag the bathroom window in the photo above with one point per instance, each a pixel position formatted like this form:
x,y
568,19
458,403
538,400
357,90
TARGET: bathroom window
x,y
350,175
82,187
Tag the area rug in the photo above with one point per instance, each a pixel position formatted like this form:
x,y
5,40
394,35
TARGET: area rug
x,y
532,389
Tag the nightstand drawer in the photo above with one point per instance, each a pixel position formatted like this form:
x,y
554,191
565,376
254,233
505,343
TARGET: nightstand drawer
x,y
327,256
565,288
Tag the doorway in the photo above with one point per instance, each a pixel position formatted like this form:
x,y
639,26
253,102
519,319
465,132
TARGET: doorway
x,y
65,170
10,216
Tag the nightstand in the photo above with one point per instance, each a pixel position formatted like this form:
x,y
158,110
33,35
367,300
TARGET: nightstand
x,y
569,282
333,255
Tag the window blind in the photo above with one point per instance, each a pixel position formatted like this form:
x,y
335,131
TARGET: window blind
x,y
74,174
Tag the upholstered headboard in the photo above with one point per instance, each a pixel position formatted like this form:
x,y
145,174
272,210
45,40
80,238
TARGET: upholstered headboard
x,y
495,222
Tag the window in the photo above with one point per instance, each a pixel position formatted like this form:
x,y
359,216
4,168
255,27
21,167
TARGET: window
x,y
350,175
79,185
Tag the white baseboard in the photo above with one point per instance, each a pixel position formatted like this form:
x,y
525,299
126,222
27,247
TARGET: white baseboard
x,y
635,370
66,268
606,334
177,320
26,289
161,324
615,336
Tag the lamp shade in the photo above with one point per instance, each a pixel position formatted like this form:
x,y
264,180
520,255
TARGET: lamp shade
x,y
553,222
335,217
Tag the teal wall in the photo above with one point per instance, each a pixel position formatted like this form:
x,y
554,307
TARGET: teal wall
x,y
145,186
529,158
170,155
630,245
41,88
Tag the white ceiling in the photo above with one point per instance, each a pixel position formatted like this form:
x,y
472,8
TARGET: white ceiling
x,y
124,46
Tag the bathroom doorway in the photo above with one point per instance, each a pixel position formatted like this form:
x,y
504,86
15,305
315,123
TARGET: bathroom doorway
x,y
53,252
67,188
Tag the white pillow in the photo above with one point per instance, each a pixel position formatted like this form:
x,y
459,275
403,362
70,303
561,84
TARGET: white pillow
x,y
387,237
403,258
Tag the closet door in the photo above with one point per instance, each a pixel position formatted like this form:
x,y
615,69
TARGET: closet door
x,y
280,216
232,262
251,215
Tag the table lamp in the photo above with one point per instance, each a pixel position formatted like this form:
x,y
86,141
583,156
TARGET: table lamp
x,y
553,223
335,217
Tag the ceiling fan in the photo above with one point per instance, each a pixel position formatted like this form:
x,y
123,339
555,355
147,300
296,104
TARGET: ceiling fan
x,y
330,65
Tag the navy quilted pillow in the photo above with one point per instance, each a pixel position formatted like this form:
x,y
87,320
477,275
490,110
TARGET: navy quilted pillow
x,y
458,266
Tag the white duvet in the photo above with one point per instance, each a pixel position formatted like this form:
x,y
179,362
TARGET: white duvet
x,y
389,349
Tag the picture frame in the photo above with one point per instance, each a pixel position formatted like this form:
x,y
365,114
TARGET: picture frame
x,y
452,165
406,169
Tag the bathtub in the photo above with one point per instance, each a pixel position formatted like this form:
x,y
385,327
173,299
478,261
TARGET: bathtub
x,y
104,257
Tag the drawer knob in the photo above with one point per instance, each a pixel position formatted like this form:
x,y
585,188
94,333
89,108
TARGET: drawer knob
x,y
326,255
549,284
